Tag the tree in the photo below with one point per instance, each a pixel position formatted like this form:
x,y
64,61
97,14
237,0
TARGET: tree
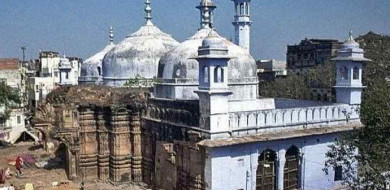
x,y
364,154
9,98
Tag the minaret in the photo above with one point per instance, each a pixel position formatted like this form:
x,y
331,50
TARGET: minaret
x,y
349,63
242,23
111,36
213,90
206,8
148,11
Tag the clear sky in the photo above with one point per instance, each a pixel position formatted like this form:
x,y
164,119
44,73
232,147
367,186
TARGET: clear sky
x,y
80,27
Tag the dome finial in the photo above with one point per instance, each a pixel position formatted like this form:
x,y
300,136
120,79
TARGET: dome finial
x,y
350,37
148,11
206,8
111,35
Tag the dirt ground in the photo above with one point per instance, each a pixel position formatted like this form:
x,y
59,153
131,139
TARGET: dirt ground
x,y
42,179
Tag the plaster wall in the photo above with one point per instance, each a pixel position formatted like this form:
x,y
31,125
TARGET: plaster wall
x,y
234,167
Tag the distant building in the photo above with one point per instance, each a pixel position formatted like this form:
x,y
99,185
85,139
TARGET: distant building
x,y
37,89
309,53
69,69
269,70
12,127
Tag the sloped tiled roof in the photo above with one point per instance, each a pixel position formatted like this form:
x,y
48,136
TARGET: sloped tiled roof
x,y
9,64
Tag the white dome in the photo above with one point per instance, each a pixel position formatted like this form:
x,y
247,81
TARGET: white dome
x,y
91,69
137,55
178,63
178,66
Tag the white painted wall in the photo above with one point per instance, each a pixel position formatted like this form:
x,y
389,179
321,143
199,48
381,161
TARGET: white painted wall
x,y
228,166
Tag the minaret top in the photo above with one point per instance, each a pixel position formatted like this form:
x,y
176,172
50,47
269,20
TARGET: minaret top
x,y
111,35
206,8
148,11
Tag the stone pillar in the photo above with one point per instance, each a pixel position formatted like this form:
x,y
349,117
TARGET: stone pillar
x,y
88,145
280,174
147,161
103,148
195,173
120,146
136,142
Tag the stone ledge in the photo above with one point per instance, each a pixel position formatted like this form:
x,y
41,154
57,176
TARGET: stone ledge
x,y
279,135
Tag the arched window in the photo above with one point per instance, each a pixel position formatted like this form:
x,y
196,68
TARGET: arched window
x,y
344,73
355,73
218,75
242,9
291,169
206,74
247,8
266,170
99,71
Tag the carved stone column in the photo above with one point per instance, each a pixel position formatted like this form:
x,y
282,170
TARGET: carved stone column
x,y
147,161
103,148
88,145
120,146
136,142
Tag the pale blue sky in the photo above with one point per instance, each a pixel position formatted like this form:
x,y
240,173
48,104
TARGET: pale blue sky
x,y
79,27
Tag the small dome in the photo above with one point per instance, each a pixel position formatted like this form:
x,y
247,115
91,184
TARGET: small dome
x,y
178,63
213,42
91,69
137,55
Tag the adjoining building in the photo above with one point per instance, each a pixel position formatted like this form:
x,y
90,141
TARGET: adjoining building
x,y
269,70
310,53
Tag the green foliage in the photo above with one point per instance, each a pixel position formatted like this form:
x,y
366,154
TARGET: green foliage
x,y
9,98
372,142
369,147
138,81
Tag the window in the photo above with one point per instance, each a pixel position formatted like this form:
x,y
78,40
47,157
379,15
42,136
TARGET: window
x,y
218,75
18,119
338,173
355,73
99,71
242,9
67,75
206,74
344,73
56,74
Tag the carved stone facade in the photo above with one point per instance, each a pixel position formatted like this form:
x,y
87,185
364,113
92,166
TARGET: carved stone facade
x,y
109,144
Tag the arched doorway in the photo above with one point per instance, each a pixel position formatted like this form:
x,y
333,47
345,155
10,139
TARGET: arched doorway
x,y
291,169
266,170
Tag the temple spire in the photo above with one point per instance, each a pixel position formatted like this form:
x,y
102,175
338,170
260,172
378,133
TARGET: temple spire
x,y
148,11
206,8
111,35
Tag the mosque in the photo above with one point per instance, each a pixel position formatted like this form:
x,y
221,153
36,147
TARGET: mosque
x,y
204,126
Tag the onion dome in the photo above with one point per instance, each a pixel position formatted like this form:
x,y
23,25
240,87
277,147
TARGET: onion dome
x,y
137,55
178,71
350,51
91,69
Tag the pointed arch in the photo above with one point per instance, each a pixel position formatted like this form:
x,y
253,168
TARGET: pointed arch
x,y
292,169
266,169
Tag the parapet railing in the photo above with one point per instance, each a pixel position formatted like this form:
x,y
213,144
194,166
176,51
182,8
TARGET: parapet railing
x,y
291,117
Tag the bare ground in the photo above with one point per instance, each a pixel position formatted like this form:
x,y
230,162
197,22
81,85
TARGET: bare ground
x,y
42,179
